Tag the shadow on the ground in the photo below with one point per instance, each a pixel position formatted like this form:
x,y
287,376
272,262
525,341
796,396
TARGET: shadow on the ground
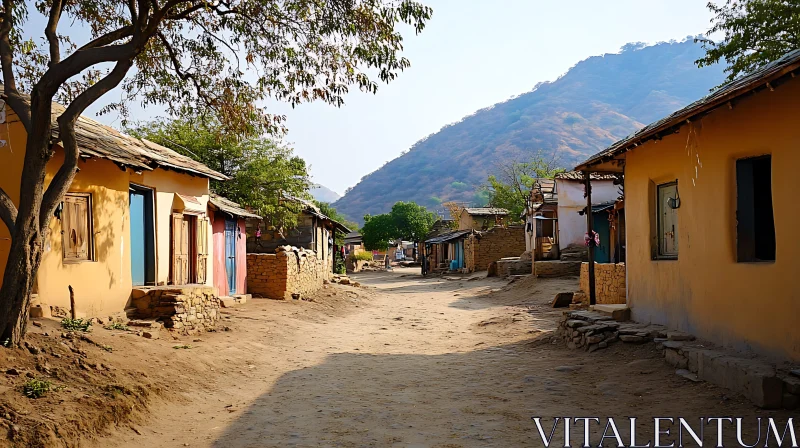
x,y
483,398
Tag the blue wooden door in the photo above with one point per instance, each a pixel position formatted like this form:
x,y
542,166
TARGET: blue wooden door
x,y
230,254
602,253
138,238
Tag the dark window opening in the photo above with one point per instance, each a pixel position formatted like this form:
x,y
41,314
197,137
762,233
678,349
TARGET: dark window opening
x,y
755,227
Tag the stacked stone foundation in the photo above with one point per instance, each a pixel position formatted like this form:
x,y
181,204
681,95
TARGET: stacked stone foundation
x,y
186,309
294,272
760,381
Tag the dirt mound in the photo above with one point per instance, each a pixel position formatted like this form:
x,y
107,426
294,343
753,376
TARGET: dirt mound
x,y
87,391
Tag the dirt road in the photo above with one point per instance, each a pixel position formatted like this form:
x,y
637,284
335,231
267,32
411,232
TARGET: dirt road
x,y
413,363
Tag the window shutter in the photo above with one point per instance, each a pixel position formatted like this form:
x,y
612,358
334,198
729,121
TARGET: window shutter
x,y
75,228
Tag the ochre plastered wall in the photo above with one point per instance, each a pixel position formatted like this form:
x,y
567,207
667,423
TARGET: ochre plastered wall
x,y
165,184
705,291
103,285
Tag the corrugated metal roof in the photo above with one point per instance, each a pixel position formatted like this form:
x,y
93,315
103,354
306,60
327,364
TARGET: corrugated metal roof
x,y
98,140
785,65
597,208
227,206
448,237
486,211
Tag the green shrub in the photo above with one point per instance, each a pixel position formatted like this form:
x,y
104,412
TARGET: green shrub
x,y
339,267
75,324
116,326
36,388
361,256
182,347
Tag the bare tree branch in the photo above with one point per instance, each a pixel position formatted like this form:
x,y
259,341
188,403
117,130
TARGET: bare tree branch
x,y
8,211
66,132
79,61
109,38
50,31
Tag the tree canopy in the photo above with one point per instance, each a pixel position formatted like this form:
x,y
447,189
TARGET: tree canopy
x,y
510,186
262,172
407,221
217,60
754,33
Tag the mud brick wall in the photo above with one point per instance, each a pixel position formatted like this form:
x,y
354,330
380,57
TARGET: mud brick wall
x,y
278,276
188,309
609,282
497,243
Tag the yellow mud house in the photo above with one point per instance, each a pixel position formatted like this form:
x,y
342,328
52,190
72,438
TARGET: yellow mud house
x,y
712,214
134,215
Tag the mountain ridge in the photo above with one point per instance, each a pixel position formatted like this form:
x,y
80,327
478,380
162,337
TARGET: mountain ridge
x,y
597,102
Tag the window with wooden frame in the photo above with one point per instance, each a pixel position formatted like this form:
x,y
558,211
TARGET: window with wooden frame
x,y
667,203
77,236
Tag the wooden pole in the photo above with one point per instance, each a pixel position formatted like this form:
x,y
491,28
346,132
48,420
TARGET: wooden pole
x,y
71,303
590,232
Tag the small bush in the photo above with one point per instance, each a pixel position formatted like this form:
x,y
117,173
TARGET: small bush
x,y
184,347
339,267
116,326
36,388
361,256
75,324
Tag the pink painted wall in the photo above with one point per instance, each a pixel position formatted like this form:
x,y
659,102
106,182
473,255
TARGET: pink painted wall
x,y
218,239
220,274
241,258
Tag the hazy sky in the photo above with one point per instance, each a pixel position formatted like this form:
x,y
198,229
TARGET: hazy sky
x,y
473,53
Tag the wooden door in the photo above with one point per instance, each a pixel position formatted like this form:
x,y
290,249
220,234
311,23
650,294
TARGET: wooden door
x,y
180,249
201,245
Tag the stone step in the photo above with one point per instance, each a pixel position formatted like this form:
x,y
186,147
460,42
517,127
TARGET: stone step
x,y
242,298
619,312
227,301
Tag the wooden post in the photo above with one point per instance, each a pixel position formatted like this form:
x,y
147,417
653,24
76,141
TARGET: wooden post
x,y
71,303
589,232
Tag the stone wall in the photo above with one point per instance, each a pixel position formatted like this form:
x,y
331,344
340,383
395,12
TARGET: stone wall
x,y
506,267
187,309
609,282
494,244
556,268
279,275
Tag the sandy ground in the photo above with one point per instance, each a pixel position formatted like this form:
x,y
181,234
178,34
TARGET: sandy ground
x,y
406,362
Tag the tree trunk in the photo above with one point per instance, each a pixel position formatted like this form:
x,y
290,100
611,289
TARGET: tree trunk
x,y
18,278
28,236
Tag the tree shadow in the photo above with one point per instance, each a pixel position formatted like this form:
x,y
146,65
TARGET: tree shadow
x,y
482,398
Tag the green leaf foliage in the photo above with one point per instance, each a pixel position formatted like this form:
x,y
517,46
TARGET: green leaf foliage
x,y
407,221
753,33
262,172
510,186
219,59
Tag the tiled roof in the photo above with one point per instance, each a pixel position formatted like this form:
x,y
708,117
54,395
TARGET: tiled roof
x,y
226,205
760,78
486,211
98,140
578,175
